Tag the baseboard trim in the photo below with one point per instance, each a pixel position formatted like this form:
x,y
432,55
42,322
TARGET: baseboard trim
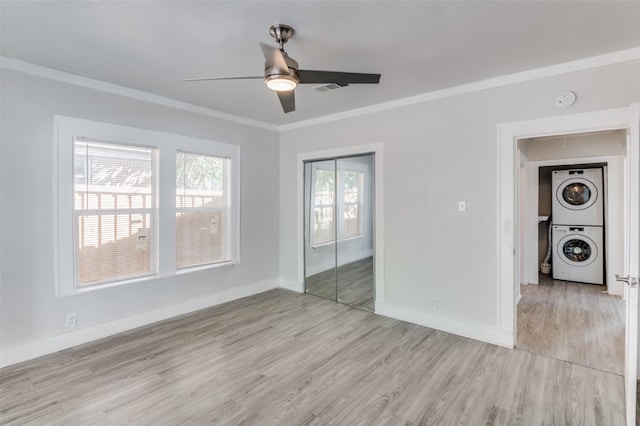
x,y
343,260
49,345
292,285
459,327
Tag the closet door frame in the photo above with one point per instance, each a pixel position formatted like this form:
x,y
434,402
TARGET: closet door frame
x,y
378,212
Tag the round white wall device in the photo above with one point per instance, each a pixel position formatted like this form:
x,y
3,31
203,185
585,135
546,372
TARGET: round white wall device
x,y
565,99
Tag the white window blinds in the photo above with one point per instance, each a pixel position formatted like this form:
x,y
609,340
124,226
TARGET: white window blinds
x,y
343,201
353,208
203,210
114,211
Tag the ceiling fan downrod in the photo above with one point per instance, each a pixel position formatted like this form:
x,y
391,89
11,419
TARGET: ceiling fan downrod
x,y
281,33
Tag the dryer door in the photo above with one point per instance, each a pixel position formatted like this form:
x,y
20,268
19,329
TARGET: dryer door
x,y
577,250
577,194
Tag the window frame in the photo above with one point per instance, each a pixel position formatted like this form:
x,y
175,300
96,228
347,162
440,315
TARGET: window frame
x,y
359,204
228,207
152,211
66,129
338,207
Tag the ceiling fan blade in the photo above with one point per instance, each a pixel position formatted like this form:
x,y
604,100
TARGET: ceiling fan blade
x,y
273,57
288,100
339,78
220,78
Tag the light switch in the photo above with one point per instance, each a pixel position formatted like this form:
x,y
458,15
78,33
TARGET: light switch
x,y
462,206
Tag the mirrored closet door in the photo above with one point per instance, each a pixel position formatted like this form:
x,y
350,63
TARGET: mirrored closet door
x,y
339,229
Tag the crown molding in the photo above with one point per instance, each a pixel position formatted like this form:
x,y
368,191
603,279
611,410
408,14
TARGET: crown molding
x,y
78,80
611,58
504,80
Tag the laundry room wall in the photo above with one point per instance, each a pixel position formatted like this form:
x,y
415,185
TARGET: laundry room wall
x,y
544,209
437,152
544,191
594,144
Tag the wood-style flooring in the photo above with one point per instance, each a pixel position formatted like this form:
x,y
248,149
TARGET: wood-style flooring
x,y
572,322
355,284
283,358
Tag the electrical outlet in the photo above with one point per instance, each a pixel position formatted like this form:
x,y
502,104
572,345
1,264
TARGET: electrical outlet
x,y
70,319
434,304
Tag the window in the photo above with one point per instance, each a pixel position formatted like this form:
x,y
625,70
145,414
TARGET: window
x,y
324,206
114,211
353,183
344,199
202,210
134,205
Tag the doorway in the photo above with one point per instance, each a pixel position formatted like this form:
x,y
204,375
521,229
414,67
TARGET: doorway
x,y
339,229
508,260
572,312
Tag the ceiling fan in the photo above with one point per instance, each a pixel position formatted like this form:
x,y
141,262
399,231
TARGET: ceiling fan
x,y
281,73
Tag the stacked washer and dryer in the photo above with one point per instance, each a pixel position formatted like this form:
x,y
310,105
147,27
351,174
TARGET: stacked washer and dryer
x,y
578,225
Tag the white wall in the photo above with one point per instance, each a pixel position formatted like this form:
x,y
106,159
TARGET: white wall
x,y
30,315
570,147
436,153
594,144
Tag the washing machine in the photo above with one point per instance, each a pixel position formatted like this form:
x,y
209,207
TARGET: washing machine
x,y
578,253
578,197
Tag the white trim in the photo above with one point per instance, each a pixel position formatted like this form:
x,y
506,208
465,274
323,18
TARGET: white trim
x,y
78,80
378,243
342,260
632,255
507,137
611,58
66,128
49,345
503,80
456,326
292,285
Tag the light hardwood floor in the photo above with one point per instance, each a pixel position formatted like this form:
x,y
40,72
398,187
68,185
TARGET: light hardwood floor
x,y
355,285
282,358
572,322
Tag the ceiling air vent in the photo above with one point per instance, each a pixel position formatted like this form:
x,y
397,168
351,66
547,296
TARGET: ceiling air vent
x,y
327,87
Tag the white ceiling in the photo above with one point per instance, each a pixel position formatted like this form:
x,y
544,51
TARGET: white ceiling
x,y
417,46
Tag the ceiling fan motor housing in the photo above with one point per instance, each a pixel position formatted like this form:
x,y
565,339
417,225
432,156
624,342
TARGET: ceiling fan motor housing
x,y
276,72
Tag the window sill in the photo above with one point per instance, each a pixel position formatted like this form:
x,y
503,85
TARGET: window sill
x,y
342,240
147,278
197,268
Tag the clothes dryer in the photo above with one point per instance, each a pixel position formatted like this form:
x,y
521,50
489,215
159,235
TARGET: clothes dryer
x,y
578,197
578,254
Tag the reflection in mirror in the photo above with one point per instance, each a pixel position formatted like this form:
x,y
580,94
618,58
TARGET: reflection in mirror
x,y
355,283
320,228
339,224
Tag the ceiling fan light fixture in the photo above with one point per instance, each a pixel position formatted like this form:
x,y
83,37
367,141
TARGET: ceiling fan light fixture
x,y
281,83
282,73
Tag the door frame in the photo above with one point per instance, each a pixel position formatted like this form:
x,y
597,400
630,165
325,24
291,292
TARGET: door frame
x,y
509,226
507,218
378,213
